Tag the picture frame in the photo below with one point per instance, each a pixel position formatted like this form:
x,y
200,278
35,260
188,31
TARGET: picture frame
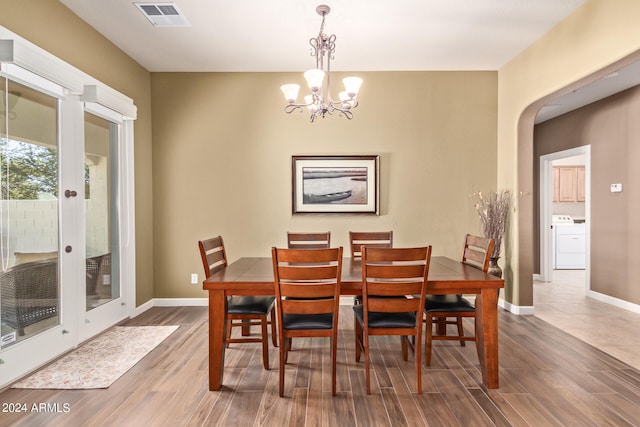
x,y
335,184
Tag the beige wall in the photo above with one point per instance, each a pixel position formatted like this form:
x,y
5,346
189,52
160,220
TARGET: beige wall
x,y
611,128
600,36
53,27
222,162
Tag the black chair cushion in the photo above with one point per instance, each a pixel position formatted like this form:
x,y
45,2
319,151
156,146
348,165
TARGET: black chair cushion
x,y
307,321
250,304
453,303
385,320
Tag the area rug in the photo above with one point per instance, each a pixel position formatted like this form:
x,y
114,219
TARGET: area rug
x,y
101,361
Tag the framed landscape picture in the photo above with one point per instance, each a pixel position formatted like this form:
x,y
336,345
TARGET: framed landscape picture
x,y
335,184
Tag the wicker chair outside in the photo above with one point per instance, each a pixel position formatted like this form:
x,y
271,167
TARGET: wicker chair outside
x,y
29,293
105,264
93,268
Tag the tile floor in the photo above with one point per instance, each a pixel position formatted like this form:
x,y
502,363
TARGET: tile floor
x,y
563,304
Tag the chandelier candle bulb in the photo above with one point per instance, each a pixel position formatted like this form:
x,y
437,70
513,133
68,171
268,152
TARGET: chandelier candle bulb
x,y
290,92
320,102
352,85
314,79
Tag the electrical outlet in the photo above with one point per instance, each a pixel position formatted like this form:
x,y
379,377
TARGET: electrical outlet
x,y
194,278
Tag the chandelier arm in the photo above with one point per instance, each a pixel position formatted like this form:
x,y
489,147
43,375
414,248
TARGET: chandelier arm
x,y
347,113
290,108
341,111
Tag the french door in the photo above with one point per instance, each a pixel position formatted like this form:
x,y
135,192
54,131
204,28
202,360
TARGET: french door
x,y
34,276
105,300
62,245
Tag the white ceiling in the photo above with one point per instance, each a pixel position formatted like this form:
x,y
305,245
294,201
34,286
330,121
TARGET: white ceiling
x,y
372,35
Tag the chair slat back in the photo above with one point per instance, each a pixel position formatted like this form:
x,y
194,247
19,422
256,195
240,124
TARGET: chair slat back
x,y
477,251
372,239
389,273
305,306
307,281
213,254
302,240
394,305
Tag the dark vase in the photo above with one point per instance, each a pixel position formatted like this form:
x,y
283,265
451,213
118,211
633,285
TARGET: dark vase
x,y
494,268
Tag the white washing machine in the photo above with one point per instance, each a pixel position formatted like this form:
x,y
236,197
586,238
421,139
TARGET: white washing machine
x,y
569,243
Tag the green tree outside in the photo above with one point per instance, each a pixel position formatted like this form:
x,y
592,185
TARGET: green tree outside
x,y
31,169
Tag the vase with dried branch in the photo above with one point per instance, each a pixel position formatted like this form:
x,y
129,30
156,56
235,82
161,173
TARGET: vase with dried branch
x,y
493,211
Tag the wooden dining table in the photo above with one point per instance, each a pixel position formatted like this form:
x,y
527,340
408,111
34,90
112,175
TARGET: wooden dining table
x,y
254,276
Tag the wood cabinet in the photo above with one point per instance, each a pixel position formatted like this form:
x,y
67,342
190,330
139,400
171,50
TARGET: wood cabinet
x,y
568,184
580,196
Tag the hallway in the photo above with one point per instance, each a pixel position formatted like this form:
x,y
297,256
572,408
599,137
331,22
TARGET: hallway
x,y
563,304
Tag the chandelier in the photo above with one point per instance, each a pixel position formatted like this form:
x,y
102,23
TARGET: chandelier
x,y
319,102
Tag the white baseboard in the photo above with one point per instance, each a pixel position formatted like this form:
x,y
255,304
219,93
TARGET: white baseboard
x,y
516,309
180,302
614,301
169,302
142,308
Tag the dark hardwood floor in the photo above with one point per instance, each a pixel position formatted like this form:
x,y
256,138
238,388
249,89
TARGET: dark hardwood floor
x,y
547,377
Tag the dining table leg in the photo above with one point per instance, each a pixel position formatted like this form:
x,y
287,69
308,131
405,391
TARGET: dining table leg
x,y
217,331
487,335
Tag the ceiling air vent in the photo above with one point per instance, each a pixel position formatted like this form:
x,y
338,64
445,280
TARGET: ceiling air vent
x,y
163,14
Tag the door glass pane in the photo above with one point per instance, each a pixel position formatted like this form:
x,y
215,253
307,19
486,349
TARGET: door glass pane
x,y
101,148
30,291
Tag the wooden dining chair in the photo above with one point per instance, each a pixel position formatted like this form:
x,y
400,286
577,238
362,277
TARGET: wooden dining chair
x,y
375,239
248,310
307,283
302,240
305,240
439,309
394,283
372,239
